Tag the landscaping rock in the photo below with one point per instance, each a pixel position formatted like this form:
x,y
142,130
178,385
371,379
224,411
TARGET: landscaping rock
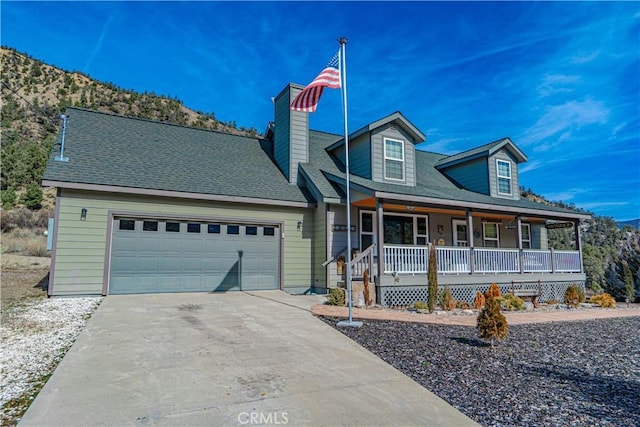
x,y
581,373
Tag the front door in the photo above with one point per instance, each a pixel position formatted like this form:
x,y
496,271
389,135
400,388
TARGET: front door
x,y
460,233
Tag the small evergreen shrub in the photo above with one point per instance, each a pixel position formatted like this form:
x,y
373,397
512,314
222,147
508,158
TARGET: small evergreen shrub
x,y
336,297
446,300
9,198
420,305
491,322
32,197
573,296
603,300
432,278
493,291
479,300
511,302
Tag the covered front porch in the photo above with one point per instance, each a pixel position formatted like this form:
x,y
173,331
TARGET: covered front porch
x,y
474,248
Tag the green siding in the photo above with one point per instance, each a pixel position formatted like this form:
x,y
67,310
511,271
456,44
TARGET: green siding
x,y
81,245
319,247
359,156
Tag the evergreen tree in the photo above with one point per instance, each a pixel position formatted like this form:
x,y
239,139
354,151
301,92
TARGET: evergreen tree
x,y
432,278
491,322
32,198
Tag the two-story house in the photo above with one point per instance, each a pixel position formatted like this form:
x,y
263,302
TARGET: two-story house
x,y
144,206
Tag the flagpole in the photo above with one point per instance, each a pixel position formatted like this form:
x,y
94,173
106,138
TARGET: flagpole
x,y
343,75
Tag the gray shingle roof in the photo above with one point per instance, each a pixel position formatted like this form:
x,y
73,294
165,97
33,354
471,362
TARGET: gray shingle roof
x,y
482,150
429,181
105,149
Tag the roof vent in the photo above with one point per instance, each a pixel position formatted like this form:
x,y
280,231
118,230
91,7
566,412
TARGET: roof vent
x,y
61,157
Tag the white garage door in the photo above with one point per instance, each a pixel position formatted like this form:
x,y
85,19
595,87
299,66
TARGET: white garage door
x,y
155,255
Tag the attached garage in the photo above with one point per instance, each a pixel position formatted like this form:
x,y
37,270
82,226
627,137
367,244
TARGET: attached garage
x,y
168,255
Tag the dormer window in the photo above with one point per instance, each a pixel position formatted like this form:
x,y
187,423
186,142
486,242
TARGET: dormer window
x,y
393,159
504,177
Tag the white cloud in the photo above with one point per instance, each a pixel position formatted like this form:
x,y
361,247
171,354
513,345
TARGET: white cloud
x,y
556,83
558,121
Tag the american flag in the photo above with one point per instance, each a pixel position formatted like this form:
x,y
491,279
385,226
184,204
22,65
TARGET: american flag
x,y
307,100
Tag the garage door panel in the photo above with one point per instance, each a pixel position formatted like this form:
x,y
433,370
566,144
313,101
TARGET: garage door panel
x,y
162,261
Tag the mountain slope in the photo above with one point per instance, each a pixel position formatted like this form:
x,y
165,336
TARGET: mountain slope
x,y
34,95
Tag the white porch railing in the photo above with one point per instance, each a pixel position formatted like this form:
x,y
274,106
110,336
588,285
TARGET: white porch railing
x,y
457,260
406,259
496,260
567,261
453,260
363,262
536,261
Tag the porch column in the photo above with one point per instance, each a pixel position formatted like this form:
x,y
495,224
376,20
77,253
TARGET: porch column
x,y
519,241
472,264
576,228
380,239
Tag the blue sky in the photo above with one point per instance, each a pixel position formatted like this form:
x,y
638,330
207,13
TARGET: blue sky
x,y
562,79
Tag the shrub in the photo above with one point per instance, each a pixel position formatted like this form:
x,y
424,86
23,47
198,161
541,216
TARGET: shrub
x,y
446,300
573,296
491,322
420,305
32,197
463,305
493,291
24,218
8,198
553,301
479,300
511,302
603,300
336,297
432,277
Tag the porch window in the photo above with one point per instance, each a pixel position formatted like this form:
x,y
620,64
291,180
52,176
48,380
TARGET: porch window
x,y
366,229
491,235
504,177
525,232
393,159
460,233
421,230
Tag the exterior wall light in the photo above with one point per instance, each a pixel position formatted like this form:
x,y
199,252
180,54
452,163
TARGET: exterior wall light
x,y
299,225
83,214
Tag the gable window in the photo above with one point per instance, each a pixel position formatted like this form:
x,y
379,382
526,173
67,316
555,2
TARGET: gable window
x,y
491,235
393,159
525,232
504,176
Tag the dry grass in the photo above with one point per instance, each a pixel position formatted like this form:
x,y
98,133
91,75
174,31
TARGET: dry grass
x,y
29,242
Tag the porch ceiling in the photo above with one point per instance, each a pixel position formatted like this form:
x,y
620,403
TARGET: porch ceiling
x,y
370,203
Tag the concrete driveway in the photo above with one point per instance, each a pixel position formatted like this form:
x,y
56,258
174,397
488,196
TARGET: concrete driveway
x,y
226,359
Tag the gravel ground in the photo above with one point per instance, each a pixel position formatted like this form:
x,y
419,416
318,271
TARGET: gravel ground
x,y
583,373
35,337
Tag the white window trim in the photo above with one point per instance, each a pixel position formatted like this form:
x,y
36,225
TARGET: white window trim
x,y
527,226
499,177
455,223
404,172
373,231
492,239
375,226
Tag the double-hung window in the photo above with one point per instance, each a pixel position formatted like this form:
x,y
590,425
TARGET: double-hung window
x,y
491,234
393,159
504,176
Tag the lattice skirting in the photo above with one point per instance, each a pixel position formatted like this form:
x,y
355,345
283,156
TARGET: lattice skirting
x,y
404,296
